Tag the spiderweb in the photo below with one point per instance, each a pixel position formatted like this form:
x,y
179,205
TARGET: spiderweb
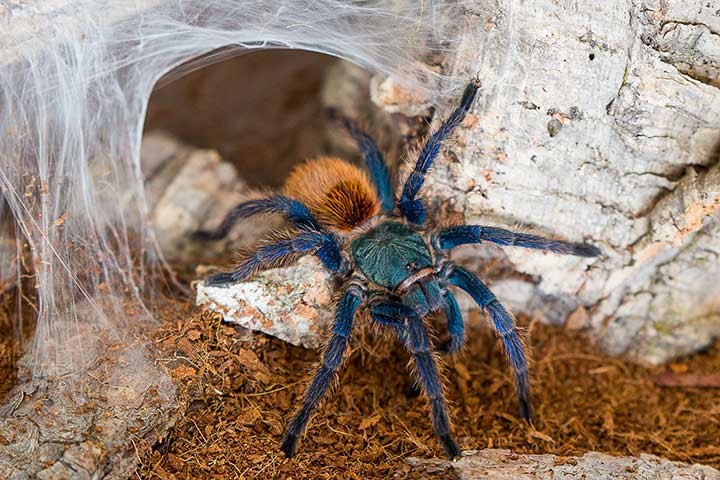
x,y
75,79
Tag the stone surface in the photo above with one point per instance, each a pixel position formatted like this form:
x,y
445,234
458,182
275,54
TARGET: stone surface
x,y
188,189
88,422
292,303
598,122
492,464
394,97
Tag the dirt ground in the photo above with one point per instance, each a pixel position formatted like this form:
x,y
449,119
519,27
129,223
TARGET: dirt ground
x,y
8,349
242,388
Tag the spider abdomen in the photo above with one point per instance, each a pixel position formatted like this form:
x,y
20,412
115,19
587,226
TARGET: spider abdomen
x,y
337,193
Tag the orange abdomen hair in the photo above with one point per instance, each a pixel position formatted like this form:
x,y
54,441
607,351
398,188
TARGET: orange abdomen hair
x,y
338,193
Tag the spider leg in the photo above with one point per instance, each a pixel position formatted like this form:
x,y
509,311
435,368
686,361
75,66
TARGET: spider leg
x,y
463,234
418,344
505,328
456,329
455,324
411,208
293,211
275,254
332,358
374,161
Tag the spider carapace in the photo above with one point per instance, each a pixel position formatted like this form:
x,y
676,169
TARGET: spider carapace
x,y
389,260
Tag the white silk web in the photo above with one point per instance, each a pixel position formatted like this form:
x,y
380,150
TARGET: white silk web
x,y
75,79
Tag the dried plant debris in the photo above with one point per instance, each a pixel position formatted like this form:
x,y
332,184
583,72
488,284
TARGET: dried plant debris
x,y
242,387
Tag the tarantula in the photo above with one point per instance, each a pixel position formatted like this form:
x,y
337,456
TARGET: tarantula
x,y
388,260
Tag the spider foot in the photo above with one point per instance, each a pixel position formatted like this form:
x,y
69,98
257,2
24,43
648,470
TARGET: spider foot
x,y
220,280
452,449
586,250
206,235
413,390
289,445
526,410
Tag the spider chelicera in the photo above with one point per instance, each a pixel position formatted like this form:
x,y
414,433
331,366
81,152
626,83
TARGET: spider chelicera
x,y
389,259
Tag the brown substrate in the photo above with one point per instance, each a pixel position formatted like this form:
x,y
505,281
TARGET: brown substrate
x,y
243,387
13,335
8,349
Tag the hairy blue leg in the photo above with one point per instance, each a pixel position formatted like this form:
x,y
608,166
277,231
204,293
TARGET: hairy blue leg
x,y
418,344
332,358
505,328
275,254
456,326
456,329
411,208
293,211
454,236
390,319
373,160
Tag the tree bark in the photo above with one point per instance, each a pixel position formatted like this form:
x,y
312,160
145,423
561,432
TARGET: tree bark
x,y
600,121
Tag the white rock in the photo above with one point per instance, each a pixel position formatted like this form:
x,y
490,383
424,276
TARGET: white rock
x,y
394,97
292,303
188,189
493,464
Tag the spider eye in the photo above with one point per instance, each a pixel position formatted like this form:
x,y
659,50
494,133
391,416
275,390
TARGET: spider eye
x,y
411,267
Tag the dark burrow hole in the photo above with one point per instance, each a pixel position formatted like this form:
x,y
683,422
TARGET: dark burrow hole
x,y
266,111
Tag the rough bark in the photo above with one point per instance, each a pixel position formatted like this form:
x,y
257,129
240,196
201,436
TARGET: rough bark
x,y
600,121
88,423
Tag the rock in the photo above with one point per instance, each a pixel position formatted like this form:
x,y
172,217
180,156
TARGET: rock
x,y
346,88
188,189
494,464
87,421
395,97
292,303
614,141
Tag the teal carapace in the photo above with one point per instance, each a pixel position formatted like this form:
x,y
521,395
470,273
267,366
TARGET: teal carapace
x,y
388,254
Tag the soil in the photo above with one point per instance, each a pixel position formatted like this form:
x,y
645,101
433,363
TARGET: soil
x,y
8,350
243,387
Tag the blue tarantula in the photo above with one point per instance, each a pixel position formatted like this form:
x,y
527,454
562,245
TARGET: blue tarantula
x,y
389,261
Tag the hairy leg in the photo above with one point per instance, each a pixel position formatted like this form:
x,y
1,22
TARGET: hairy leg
x,y
293,211
455,324
411,208
374,160
418,344
275,254
332,359
504,326
464,234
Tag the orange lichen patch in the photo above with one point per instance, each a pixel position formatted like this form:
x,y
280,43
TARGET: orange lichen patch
x,y
695,215
471,120
339,194
651,251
